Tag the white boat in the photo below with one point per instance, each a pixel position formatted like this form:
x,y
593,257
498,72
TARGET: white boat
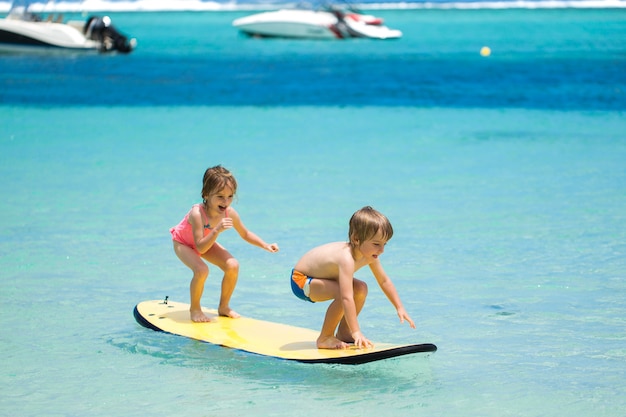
x,y
331,23
23,31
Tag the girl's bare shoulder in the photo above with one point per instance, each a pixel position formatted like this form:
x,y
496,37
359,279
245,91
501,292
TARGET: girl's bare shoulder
x,y
231,212
195,215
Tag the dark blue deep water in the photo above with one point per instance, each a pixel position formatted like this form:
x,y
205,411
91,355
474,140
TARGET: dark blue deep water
x,y
541,59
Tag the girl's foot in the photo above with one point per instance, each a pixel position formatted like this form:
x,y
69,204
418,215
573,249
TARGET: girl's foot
x,y
199,317
227,312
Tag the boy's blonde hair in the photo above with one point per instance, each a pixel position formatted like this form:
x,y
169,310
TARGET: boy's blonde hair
x,y
215,180
365,223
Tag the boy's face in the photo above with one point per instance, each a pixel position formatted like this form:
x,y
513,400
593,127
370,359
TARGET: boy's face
x,y
374,247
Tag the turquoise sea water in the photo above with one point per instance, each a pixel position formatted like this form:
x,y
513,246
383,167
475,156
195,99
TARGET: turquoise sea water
x,y
504,179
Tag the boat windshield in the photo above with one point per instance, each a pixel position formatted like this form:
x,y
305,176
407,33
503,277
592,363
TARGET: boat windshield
x,y
19,10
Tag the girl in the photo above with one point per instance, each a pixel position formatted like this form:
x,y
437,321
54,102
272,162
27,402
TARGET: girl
x,y
195,239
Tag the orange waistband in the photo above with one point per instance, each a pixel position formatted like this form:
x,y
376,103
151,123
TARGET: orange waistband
x,y
299,278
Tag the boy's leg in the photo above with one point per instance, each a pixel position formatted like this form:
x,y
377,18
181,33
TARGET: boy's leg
x,y
200,273
327,339
323,290
360,294
219,256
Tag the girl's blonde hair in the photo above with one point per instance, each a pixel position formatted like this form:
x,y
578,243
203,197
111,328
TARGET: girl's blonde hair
x,y
365,223
215,180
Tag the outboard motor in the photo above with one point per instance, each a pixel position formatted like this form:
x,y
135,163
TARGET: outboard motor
x,y
101,30
340,28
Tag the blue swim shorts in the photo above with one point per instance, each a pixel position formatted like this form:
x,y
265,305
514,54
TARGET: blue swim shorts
x,y
301,285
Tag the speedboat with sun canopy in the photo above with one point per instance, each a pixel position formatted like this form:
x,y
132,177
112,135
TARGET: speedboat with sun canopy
x,y
24,31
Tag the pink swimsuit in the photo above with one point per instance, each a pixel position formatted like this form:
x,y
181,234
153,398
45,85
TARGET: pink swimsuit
x,y
183,232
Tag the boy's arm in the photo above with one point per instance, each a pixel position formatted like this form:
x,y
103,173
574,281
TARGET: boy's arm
x,y
346,290
390,291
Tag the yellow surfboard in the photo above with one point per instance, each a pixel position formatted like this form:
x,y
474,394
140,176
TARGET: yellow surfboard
x,y
261,337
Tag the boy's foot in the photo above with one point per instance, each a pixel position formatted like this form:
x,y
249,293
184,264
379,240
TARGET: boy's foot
x,y
228,312
330,343
345,338
199,316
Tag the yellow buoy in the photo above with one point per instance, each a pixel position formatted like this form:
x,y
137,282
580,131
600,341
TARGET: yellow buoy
x,y
485,51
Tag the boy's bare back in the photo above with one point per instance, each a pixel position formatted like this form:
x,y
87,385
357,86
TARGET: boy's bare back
x,y
323,261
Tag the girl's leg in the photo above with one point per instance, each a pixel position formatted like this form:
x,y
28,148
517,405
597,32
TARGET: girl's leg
x,y
219,256
200,273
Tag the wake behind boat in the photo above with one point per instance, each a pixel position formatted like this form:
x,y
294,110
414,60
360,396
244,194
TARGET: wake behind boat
x,y
23,31
329,23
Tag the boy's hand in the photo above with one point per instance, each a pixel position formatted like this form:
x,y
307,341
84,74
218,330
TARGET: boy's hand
x,y
404,316
361,341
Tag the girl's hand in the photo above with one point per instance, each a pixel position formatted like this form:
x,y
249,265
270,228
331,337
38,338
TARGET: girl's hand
x,y
272,247
225,223
361,341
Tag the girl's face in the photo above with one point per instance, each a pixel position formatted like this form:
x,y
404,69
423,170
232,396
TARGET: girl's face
x,y
372,248
221,200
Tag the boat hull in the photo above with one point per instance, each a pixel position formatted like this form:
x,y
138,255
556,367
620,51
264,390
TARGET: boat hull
x,y
314,24
289,24
360,29
18,35
22,31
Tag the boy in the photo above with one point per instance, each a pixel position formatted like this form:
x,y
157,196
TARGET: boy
x,y
326,273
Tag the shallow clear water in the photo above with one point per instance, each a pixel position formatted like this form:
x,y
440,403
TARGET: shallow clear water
x,y
508,248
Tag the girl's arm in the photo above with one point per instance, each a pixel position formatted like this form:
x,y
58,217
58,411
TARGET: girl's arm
x,y
203,243
247,235
389,289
